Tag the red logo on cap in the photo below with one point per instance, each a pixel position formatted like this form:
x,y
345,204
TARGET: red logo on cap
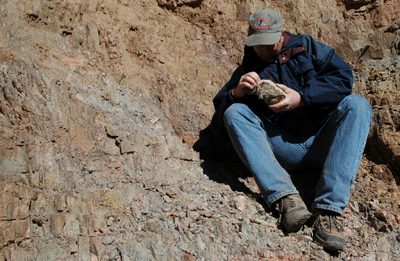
x,y
261,23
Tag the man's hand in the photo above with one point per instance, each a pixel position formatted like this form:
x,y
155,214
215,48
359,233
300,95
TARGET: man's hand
x,y
292,101
246,84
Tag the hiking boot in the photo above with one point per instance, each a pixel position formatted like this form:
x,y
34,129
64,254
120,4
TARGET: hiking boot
x,y
328,232
293,213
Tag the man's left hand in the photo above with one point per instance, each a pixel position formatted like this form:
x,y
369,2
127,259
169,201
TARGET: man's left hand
x,y
292,101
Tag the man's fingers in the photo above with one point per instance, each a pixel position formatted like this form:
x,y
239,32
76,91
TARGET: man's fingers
x,y
249,81
280,106
254,76
252,79
246,84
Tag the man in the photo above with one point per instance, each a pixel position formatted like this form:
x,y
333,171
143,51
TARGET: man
x,y
319,124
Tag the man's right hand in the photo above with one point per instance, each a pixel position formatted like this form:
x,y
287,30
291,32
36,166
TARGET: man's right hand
x,y
246,84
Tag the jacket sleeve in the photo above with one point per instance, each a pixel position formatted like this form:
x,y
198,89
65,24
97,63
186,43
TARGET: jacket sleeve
x,y
333,77
224,97
222,101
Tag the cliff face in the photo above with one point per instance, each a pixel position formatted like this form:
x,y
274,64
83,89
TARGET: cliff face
x,y
101,102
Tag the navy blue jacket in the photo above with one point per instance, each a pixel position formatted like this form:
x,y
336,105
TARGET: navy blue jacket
x,y
310,67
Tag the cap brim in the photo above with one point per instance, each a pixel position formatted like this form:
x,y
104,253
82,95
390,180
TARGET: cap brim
x,y
263,39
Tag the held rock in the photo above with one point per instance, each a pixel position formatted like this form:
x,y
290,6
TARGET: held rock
x,y
269,92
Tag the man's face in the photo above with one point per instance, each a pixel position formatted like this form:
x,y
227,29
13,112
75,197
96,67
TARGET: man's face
x,y
269,52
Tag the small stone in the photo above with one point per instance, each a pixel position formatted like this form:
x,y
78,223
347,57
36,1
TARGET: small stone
x,y
167,199
110,221
57,224
241,203
308,238
59,202
108,240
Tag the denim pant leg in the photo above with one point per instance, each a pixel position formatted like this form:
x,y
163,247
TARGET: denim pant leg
x,y
339,146
251,138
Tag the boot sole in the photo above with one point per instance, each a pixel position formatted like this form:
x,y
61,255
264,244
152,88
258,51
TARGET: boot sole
x,y
338,246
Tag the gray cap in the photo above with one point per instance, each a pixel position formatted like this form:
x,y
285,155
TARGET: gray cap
x,y
265,27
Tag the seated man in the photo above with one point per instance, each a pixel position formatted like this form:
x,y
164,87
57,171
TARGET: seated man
x,y
319,124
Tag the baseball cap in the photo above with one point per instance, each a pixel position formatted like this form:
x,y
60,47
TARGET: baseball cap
x,y
265,27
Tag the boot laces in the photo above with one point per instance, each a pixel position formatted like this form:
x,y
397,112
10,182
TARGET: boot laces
x,y
328,222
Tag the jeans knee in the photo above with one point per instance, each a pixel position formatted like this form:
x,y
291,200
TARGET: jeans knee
x,y
356,104
234,112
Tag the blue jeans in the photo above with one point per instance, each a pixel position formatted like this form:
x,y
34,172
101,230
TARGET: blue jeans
x,y
268,151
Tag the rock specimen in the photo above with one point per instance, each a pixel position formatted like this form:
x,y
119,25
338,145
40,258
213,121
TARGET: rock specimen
x,y
269,92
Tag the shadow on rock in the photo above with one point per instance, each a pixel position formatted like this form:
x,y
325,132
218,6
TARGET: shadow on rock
x,y
306,181
221,163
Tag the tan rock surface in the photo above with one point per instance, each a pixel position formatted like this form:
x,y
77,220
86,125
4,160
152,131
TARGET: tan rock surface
x,y
101,102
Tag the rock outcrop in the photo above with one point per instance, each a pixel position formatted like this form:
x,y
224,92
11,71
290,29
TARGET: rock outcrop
x,y
102,101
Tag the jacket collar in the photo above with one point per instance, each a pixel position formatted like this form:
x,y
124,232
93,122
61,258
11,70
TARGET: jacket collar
x,y
293,44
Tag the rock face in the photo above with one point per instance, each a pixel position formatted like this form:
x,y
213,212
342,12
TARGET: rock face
x,y
102,101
